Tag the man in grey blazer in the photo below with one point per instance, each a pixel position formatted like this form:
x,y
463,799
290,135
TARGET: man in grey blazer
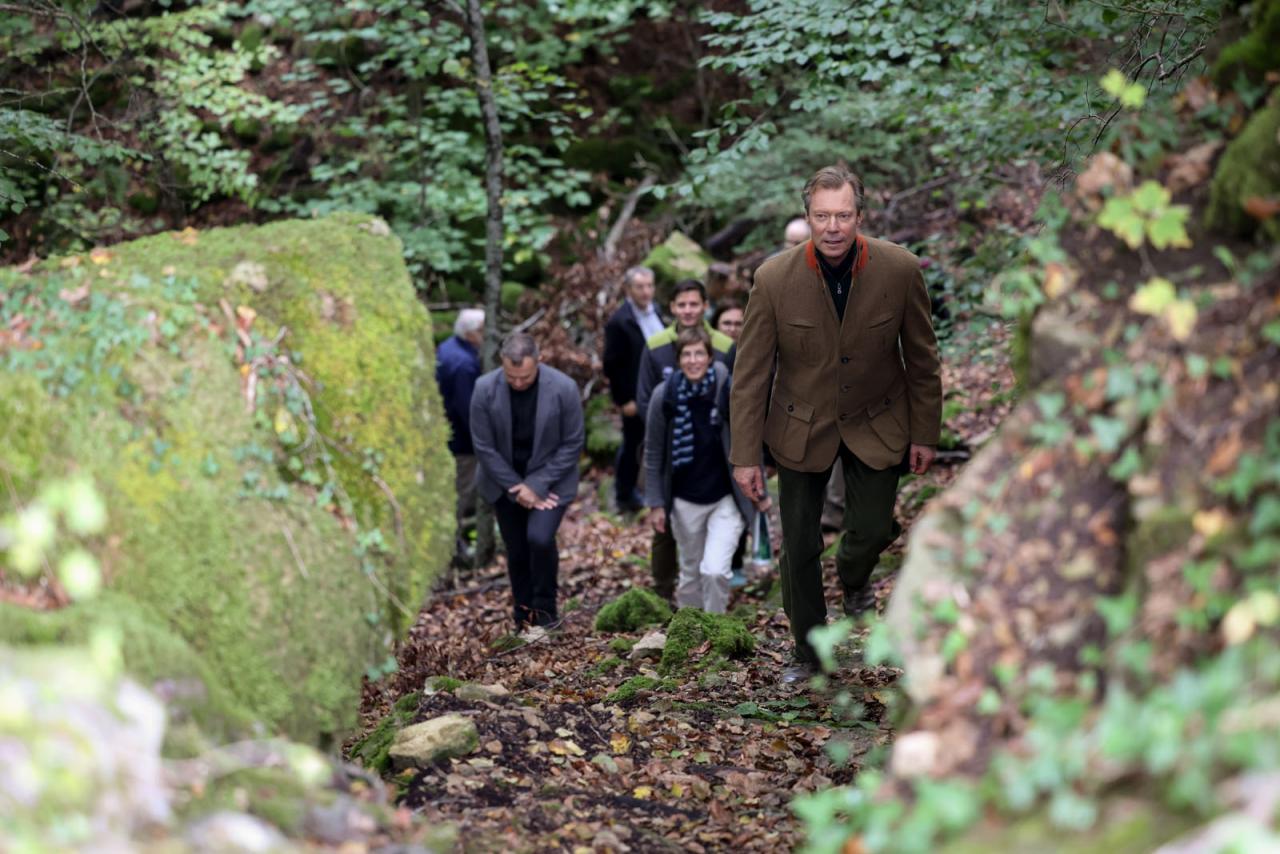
x,y
527,431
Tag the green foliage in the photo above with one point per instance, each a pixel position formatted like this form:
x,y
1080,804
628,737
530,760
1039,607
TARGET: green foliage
x,y
1146,214
1249,167
634,609
692,627
373,749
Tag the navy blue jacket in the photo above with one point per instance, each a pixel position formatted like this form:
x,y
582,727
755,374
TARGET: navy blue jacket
x,y
457,369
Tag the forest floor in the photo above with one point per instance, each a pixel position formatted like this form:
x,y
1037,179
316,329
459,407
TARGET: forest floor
x,y
707,760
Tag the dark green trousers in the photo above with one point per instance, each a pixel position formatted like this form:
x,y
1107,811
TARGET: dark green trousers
x,y
664,563
867,529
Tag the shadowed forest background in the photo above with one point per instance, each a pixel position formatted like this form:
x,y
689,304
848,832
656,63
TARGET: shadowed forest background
x,y
232,234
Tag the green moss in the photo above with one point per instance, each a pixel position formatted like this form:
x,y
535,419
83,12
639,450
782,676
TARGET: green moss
x,y
445,683
692,627
633,686
634,609
510,296
204,531
372,750
677,258
604,665
153,654
1249,167
273,795
622,646
1257,52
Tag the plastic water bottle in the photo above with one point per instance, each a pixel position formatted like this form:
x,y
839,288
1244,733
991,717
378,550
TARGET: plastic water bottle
x,y
761,549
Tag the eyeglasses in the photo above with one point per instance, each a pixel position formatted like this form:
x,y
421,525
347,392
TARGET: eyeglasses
x,y
690,355
821,219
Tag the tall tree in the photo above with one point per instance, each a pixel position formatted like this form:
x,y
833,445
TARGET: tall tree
x,y
483,79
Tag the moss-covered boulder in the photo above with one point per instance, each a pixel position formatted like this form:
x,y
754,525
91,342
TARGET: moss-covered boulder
x,y
676,258
1249,168
1257,52
258,409
635,609
373,750
690,628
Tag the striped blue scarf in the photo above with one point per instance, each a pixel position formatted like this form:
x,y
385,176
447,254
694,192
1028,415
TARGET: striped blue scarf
x,y
682,426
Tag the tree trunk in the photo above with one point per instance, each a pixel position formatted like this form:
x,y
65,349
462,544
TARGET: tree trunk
x,y
485,545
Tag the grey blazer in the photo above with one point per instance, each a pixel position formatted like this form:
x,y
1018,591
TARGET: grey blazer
x,y
558,436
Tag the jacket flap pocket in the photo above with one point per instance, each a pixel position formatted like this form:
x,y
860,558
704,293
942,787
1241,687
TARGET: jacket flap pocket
x,y
883,402
881,321
802,323
798,409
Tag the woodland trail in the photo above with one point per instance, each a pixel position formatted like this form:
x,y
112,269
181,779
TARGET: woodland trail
x,y
703,761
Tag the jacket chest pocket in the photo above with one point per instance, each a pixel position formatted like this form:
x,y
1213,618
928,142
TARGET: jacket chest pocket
x,y
883,331
798,340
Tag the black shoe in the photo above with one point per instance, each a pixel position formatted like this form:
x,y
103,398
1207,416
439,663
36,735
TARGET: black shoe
x,y
859,602
798,671
896,531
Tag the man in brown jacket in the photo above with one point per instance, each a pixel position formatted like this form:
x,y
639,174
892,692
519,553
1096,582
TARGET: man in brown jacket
x,y
847,319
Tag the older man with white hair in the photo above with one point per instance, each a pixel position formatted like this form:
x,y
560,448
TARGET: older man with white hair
x,y
457,369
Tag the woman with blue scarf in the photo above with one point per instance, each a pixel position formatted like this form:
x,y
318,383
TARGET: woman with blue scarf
x,y
687,476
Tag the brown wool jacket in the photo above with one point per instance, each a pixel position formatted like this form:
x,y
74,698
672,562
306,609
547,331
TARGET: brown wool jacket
x,y
872,381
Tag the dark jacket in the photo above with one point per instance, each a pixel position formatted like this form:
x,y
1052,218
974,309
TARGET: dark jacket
x,y
659,427
659,360
457,369
870,381
558,436
624,345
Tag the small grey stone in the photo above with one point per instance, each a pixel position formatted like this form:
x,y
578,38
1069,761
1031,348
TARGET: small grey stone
x,y
649,646
473,692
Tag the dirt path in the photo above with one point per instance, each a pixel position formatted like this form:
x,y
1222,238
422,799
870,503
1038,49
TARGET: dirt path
x,y
709,761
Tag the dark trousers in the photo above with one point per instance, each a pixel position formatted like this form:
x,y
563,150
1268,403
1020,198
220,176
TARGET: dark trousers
x,y
867,529
533,561
626,466
663,563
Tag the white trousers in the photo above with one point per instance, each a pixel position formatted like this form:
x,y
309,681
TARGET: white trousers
x,y
706,535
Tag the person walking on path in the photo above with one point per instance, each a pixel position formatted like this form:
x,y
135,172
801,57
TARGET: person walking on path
x,y
846,317
687,482
527,430
457,369
625,334
688,306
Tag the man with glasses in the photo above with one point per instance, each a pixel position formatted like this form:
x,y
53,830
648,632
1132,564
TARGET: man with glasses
x,y
847,319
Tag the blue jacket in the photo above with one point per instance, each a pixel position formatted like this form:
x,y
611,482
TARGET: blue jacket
x,y
457,369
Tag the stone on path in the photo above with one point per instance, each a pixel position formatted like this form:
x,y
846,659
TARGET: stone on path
x,y
649,646
420,745
474,692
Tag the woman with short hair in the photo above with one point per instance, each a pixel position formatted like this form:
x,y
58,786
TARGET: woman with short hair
x,y
687,476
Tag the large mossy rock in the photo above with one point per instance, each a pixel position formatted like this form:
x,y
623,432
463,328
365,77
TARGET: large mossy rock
x,y
282,545
677,258
1249,168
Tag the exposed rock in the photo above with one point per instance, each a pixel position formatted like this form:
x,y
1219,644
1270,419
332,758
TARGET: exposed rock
x,y
419,745
915,754
235,833
474,692
676,258
649,647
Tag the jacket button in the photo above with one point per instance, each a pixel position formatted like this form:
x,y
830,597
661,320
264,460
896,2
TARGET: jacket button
x,y
844,416
791,407
887,401
844,360
844,388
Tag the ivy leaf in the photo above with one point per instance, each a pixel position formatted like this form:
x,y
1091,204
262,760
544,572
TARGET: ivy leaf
x,y
1168,228
1151,197
1154,297
1109,432
1121,219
